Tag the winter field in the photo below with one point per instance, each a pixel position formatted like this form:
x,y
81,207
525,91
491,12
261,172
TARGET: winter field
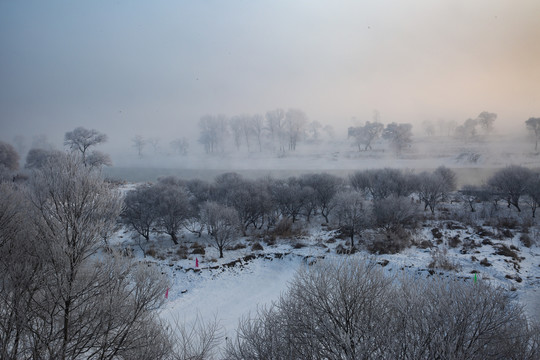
x,y
206,287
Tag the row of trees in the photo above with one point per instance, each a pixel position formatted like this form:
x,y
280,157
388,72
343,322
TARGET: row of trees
x,y
351,309
382,199
278,130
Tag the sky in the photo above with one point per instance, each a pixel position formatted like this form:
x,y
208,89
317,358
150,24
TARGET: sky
x,y
153,68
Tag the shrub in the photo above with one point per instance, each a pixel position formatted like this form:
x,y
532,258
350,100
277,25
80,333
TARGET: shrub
x,y
485,262
440,260
198,251
505,251
390,241
150,252
257,247
526,240
454,242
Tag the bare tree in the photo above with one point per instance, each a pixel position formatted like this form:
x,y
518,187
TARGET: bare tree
x,y
350,309
222,224
59,300
435,187
486,120
172,208
366,135
429,127
295,121
533,125
139,143
213,132
399,136
325,186
349,213
468,130
275,123
394,212
257,126
381,183
180,146
140,212
198,340
236,127
82,139
37,158
533,193
97,159
9,158
511,182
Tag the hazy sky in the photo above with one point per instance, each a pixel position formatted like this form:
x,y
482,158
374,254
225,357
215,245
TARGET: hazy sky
x,y
154,67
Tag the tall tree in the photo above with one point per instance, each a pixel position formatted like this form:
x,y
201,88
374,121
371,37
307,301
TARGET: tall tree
x,y
533,125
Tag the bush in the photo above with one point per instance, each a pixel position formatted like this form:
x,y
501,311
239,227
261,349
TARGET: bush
x,y
440,260
257,247
526,240
150,252
454,242
485,262
198,251
386,318
390,241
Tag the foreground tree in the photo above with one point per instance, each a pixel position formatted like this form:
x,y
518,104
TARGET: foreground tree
x,y
533,125
58,299
350,309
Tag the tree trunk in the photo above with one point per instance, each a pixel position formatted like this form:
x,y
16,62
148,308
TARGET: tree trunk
x,y
221,252
174,238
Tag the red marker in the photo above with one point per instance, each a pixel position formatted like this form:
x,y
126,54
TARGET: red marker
x,y
167,294
196,262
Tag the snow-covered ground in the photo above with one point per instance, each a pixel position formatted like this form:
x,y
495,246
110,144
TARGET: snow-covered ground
x,y
217,289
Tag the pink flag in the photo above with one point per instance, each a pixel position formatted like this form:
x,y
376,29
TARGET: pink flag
x,y
167,294
196,262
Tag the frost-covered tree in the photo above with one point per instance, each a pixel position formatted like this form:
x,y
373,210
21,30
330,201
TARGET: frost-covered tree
x,y
325,187
9,158
295,122
81,139
486,121
172,208
140,213
349,213
399,136
139,143
352,309
275,124
213,132
221,223
435,187
533,125
365,135
37,158
381,183
511,183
